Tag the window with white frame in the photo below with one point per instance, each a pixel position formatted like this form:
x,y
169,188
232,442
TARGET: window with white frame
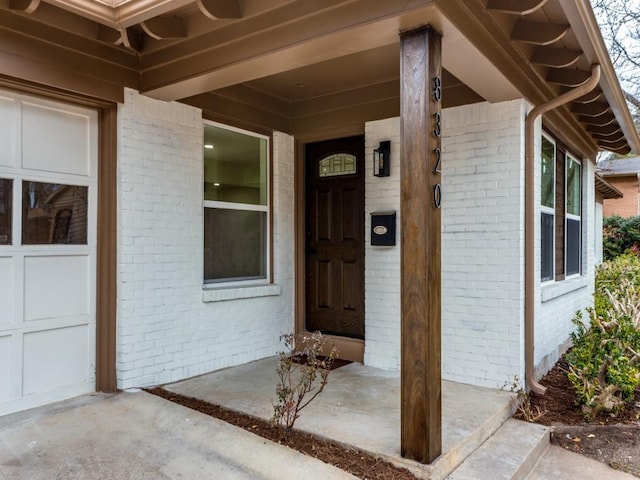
x,y
573,237
236,205
560,212
547,208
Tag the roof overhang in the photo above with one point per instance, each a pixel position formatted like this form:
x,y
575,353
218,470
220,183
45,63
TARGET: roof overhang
x,y
583,22
605,189
193,50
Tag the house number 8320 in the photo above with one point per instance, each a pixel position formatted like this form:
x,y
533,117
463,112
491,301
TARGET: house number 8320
x,y
437,132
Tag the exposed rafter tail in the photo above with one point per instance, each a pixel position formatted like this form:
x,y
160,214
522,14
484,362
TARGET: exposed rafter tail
x,y
215,9
515,7
24,6
161,28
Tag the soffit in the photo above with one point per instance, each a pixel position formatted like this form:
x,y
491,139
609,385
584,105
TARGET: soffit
x,y
549,46
296,55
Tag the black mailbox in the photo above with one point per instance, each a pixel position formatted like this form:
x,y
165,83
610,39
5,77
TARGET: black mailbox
x,y
383,228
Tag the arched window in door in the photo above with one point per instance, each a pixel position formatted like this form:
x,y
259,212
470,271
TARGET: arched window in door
x,y
337,164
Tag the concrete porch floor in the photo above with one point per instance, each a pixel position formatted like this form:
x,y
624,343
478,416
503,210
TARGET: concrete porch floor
x,y
360,406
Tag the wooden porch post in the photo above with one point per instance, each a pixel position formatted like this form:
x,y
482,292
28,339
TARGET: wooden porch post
x,y
420,129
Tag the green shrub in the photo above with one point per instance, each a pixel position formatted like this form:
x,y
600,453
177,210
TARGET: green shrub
x,y
620,235
611,274
604,364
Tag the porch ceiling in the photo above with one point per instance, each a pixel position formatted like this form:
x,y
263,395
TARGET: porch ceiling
x,y
295,64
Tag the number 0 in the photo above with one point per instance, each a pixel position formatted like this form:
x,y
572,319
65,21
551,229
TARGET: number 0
x,y
437,195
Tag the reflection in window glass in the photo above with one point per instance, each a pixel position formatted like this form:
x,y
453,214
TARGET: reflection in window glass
x,y
235,166
573,187
6,194
53,214
337,164
235,244
548,168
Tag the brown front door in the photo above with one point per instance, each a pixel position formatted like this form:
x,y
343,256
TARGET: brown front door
x,y
335,237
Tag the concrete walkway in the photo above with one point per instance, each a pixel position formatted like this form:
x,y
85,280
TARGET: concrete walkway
x,y
360,406
138,436
558,463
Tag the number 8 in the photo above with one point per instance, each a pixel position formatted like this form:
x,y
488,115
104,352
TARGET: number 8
x,y
437,89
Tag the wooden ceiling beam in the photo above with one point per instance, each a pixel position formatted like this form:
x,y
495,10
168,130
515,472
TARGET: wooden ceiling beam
x,y
286,38
568,77
160,28
215,9
538,33
515,7
593,109
108,34
24,6
555,57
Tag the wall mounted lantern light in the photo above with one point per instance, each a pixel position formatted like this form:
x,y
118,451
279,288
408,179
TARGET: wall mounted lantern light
x,y
382,159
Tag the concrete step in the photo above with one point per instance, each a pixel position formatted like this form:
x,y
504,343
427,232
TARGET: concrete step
x,y
509,454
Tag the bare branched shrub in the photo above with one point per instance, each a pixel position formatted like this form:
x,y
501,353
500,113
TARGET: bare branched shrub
x,y
522,401
302,374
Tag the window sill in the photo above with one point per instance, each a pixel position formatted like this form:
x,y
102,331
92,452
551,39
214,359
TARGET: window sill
x,y
557,289
218,294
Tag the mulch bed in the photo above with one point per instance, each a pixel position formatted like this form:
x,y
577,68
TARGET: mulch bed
x,y
614,440
333,364
356,462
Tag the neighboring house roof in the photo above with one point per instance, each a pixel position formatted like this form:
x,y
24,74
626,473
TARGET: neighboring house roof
x,y
607,190
620,167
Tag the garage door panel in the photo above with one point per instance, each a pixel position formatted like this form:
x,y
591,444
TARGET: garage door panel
x,y
66,348
7,131
48,200
6,369
49,124
6,291
56,287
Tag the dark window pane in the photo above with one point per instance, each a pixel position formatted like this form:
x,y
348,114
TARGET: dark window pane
x,y
6,195
547,247
53,213
573,246
234,244
235,166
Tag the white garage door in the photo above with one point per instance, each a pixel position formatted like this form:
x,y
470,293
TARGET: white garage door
x,y
48,199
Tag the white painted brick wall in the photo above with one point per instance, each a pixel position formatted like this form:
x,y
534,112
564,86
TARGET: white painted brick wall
x,y
482,251
382,264
597,233
166,332
483,243
557,303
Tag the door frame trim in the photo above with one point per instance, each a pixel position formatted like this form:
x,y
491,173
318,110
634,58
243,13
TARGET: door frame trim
x,y
348,348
